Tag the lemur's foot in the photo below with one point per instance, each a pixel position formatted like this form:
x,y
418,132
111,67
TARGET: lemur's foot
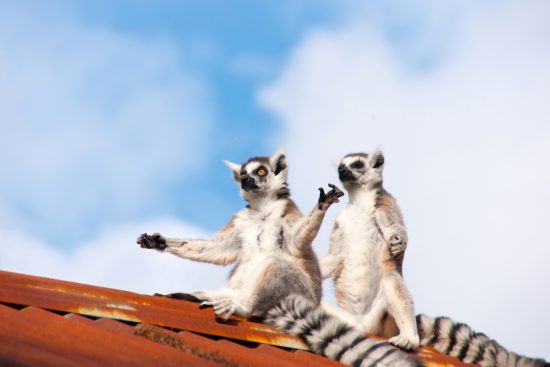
x,y
331,197
226,307
201,296
154,241
406,342
398,244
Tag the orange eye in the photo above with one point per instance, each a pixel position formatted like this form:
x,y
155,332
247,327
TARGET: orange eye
x,y
262,172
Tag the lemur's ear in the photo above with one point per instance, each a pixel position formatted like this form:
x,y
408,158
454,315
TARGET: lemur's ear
x,y
377,159
278,162
235,168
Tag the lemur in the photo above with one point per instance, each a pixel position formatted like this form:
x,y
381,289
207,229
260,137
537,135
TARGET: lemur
x,y
366,251
365,259
276,274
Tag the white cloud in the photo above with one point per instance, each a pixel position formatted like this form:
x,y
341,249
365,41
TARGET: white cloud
x,y
95,123
113,260
467,154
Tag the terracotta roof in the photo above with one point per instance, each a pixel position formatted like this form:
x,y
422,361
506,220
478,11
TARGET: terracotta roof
x,y
46,322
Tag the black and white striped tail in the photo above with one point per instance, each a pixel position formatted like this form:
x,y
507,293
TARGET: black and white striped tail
x,y
461,341
328,336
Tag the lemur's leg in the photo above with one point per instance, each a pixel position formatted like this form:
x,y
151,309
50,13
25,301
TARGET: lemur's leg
x,y
219,251
272,281
240,302
210,295
401,308
372,321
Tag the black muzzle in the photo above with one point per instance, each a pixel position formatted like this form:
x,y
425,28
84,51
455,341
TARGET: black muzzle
x,y
345,174
248,183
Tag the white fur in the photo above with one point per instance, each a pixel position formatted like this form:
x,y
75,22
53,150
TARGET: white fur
x,y
359,250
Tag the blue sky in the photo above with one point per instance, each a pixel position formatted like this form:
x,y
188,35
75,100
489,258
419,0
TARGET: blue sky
x,y
231,49
115,117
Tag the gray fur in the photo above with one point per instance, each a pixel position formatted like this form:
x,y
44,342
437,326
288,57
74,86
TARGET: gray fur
x,y
328,336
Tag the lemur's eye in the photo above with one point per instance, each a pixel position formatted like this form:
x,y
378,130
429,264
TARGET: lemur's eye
x,y
262,172
357,165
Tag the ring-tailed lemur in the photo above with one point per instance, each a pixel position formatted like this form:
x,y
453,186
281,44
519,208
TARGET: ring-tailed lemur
x,y
366,252
269,241
277,274
365,258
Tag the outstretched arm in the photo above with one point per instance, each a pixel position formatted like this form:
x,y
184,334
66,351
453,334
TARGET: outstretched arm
x,y
222,249
390,222
332,263
308,226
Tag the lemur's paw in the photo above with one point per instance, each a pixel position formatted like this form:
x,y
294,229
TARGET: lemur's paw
x,y
331,197
223,308
406,342
398,244
154,241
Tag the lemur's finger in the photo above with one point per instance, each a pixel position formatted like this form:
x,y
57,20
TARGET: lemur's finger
x,y
141,238
218,309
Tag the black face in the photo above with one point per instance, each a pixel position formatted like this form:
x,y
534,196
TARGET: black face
x,y
248,181
345,174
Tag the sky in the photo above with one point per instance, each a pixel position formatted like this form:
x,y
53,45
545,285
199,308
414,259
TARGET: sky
x,y
115,117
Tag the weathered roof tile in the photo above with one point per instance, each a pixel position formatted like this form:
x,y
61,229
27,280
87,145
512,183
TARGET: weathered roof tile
x,y
46,322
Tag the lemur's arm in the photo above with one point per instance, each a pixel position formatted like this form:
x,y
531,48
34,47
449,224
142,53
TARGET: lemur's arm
x,y
222,249
308,226
332,263
390,221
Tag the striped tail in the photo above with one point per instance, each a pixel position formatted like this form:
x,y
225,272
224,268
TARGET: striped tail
x,y
328,336
461,341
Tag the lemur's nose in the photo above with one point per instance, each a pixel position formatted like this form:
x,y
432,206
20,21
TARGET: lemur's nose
x,y
345,174
246,179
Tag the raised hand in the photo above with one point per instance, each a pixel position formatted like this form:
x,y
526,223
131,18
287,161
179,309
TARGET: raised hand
x,y
331,197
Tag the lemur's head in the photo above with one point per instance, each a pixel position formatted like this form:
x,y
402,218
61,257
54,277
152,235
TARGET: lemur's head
x,y
361,169
261,176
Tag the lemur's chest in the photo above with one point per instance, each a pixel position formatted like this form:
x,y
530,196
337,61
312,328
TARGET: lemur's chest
x,y
362,240
360,230
262,232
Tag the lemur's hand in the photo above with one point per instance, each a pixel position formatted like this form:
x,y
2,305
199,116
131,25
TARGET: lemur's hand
x,y
398,244
154,241
331,197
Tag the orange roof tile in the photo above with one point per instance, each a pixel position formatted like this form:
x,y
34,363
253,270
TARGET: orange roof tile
x,y
50,322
